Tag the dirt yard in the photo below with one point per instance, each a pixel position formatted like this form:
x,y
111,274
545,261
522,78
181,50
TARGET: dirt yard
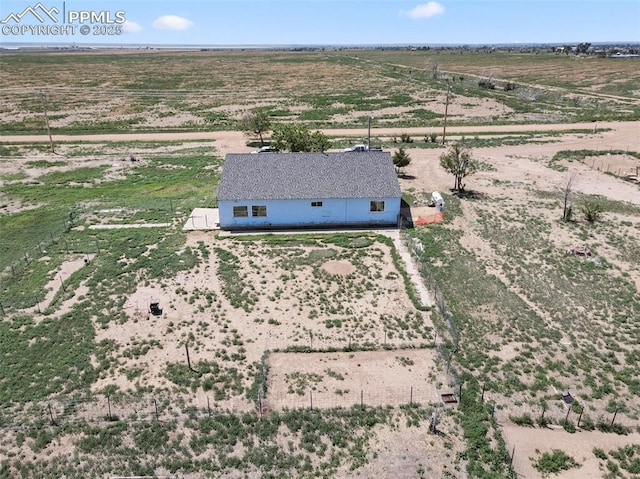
x,y
343,379
530,443
287,298
322,297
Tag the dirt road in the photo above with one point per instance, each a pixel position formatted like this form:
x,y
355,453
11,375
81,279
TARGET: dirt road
x,y
630,128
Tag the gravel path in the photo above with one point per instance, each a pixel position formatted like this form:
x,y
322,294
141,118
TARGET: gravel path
x,y
411,267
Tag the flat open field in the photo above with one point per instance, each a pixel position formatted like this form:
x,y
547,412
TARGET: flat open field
x,y
95,386
114,91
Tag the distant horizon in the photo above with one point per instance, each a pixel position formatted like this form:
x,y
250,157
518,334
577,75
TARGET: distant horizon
x,y
12,45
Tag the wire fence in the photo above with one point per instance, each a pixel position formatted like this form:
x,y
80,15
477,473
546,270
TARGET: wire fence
x,y
346,342
554,417
102,409
36,249
352,394
59,241
558,412
415,247
561,413
519,463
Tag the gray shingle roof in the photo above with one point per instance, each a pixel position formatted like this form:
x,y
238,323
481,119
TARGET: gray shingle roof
x,y
271,176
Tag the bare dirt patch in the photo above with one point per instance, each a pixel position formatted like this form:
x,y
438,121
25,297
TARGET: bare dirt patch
x,y
249,296
341,268
529,443
58,276
619,165
343,379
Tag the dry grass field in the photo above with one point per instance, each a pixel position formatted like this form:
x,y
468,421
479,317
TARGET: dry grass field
x,y
308,355
110,92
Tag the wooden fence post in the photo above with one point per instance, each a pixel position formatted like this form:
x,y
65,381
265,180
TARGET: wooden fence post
x,y
186,347
51,414
580,416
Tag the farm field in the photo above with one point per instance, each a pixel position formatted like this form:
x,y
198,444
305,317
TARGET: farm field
x,y
309,355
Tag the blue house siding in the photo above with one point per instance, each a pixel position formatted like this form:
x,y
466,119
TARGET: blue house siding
x,y
308,189
298,212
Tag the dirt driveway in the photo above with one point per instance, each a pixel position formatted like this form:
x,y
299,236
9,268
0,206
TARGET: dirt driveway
x,y
626,132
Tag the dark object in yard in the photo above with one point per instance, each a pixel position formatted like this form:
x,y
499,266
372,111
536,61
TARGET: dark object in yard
x,y
567,398
449,398
579,250
155,308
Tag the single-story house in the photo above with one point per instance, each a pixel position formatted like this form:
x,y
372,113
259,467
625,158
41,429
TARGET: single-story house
x,y
280,190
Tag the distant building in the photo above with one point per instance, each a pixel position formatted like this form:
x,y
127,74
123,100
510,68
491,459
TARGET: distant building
x,y
280,190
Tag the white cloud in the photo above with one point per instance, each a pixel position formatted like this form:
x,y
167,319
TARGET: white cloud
x,y
427,10
172,22
131,27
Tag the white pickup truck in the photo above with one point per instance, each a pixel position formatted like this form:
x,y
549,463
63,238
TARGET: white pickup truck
x,y
363,148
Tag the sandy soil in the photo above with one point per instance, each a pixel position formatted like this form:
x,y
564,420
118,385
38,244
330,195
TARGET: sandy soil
x,y
529,443
285,313
58,277
526,165
343,379
381,376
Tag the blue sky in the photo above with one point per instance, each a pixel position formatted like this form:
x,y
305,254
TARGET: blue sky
x,y
308,22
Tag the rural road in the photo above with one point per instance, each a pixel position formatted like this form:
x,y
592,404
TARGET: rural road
x,y
625,128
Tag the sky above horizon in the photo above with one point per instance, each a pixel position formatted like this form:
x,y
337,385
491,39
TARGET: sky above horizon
x,y
316,22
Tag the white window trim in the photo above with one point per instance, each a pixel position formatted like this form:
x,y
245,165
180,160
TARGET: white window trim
x,y
377,211
253,211
246,208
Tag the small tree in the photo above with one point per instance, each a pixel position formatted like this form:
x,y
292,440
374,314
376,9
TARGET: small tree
x,y
566,195
435,68
319,141
296,137
257,122
459,163
583,47
401,159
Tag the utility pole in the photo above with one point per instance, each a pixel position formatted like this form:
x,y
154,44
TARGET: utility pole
x,y
369,136
446,110
46,119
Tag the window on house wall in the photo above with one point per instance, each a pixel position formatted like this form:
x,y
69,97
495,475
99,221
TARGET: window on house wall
x,y
376,206
316,204
259,211
240,212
